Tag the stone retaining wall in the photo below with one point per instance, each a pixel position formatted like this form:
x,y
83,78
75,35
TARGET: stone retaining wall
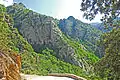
x,y
67,75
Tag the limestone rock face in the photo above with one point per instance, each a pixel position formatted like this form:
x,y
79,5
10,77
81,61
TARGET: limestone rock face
x,y
9,66
82,32
42,32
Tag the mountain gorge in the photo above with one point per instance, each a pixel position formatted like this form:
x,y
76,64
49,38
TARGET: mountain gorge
x,y
47,45
42,32
46,61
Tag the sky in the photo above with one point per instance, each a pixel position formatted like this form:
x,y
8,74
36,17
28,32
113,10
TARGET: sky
x,y
56,8
6,2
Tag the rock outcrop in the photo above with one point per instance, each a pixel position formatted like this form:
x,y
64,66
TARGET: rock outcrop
x,y
10,65
44,35
81,32
42,32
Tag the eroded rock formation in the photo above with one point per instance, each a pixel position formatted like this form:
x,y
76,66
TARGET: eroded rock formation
x,y
9,66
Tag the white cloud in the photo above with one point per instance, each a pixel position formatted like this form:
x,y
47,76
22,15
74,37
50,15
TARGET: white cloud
x,y
72,8
6,2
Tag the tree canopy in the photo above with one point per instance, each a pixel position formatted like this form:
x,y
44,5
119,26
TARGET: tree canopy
x,y
2,8
108,67
110,9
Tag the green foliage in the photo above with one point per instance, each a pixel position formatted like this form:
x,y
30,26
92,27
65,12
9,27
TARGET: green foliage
x,y
84,33
81,52
64,48
109,66
2,8
40,63
110,9
47,64
33,63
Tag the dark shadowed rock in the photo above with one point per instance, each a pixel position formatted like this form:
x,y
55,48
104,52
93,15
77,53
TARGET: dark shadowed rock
x,y
42,32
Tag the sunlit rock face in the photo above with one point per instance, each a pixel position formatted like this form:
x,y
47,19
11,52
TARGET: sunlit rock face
x,y
9,66
42,32
81,32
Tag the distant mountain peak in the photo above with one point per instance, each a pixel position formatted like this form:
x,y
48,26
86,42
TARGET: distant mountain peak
x,y
71,18
19,4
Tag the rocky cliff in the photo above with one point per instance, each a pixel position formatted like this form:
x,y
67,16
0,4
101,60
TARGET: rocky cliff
x,y
10,65
42,32
53,52
81,32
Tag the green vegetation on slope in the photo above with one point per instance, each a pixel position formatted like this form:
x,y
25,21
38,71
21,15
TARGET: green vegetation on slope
x,y
81,51
82,32
42,32
109,66
32,62
46,63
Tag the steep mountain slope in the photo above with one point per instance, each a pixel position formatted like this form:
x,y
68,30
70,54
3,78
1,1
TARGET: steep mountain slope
x,y
82,32
32,63
104,29
107,29
101,27
42,32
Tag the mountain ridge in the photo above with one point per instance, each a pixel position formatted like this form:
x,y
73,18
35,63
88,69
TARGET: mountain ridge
x,y
44,33
32,62
44,48
84,33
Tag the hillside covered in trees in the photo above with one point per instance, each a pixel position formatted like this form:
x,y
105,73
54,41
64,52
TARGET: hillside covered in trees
x,y
47,45
62,56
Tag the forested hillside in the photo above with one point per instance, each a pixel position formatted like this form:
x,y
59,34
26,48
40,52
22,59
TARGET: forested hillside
x,y
108,68
32,43
42,32
50,57
82,32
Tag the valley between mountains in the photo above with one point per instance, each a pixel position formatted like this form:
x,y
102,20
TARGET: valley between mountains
x,y
36,44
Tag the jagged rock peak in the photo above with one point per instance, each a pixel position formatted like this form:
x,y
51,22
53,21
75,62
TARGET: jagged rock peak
x,y
19,4
71,18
